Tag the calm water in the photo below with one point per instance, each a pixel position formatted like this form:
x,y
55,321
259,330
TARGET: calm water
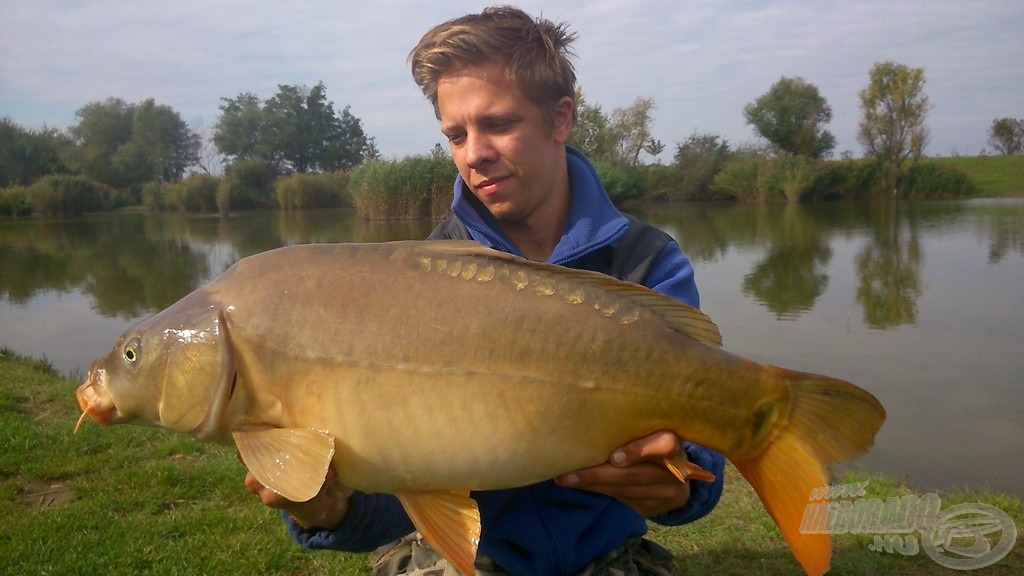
x,y
922,304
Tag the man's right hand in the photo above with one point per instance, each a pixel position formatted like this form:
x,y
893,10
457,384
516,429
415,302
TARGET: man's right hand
x,y
324,511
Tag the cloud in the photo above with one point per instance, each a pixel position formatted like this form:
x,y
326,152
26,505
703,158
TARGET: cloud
x,y
701,62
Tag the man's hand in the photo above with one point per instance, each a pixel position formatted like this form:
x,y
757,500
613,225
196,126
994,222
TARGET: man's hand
x,y
326,510
636,475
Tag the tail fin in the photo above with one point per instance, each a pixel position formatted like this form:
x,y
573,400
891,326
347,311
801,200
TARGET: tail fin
x,y
830,421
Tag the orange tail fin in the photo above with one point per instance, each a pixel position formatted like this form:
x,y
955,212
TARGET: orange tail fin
x,y
830,421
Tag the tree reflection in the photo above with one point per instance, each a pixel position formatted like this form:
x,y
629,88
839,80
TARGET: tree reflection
x,y
889,268
702,229
132,279
126,269
27,269
791,278
130,265
1003,223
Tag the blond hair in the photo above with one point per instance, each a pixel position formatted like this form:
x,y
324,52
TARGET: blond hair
x,y
534,53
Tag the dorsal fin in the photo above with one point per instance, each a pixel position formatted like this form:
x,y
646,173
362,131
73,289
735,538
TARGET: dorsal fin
x,y
681,317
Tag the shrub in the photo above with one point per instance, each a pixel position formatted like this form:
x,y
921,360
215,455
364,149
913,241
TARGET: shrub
x,y
621,182
197,193
416,187
661,182
787,177
793,175
153,197
741,178
247,184
845,179
63,195
929,179
300,191
14,201
699,159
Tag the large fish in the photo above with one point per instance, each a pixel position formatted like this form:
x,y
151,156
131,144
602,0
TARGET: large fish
x,y
429,369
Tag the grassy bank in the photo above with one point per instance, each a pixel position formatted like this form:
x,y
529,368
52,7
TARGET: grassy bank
x,y
994,175
127,500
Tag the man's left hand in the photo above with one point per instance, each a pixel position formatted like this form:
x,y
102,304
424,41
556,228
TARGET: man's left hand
x,y
636,474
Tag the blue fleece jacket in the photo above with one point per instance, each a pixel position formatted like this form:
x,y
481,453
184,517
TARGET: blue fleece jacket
x,y
544,529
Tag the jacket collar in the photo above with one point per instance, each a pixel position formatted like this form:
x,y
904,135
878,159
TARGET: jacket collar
x,y
593,221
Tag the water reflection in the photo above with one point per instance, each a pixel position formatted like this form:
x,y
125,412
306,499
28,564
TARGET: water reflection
x,y
890,268
797,244
791,277
917,302
133,264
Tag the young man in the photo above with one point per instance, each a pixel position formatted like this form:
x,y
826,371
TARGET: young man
x,y
502,87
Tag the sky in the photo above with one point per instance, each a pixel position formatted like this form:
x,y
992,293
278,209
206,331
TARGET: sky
x,y
700,61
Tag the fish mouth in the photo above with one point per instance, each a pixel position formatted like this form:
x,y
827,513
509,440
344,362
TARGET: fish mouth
x,y
94,400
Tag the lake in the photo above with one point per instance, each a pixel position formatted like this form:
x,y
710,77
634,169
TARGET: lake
x,y
921,304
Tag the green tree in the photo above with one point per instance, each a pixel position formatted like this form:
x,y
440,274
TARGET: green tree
x,y
1006,135
347,144
619,138
102,129
161,147
27,155
296,130
791,116
371,153
126,145
238,133
892,129
590,133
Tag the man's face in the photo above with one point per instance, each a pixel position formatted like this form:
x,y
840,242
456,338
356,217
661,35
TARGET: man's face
x,y
510,155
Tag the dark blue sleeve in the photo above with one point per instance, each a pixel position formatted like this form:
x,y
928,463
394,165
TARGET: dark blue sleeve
x,y
372,520
703,495
672,274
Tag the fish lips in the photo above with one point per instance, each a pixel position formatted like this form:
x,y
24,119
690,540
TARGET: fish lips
x,y
94,400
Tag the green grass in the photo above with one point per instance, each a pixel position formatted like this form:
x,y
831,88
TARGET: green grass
x,y
995,175
128,500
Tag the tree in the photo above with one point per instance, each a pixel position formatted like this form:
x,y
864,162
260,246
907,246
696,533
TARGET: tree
x,y
126,145
1006,135
102,129
791,116
892,129
208,159
590,132
238,133
347,145
161,146
618,139
296,130
371,153
630,129
27,155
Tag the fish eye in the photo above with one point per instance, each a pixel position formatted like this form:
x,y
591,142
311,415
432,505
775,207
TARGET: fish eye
x,y
132,350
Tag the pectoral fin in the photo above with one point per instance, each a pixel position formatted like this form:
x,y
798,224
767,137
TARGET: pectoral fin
x,y
685,470
290,461
449,522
